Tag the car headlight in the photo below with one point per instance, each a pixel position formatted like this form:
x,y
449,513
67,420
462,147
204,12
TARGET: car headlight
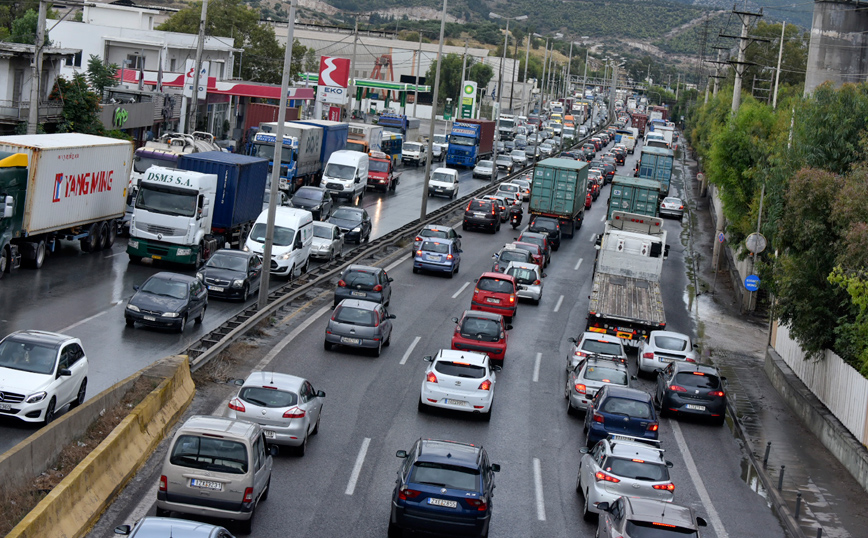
x,y
133,307
245,248
133,243
285,256
184,251
357,229
38,397
237,283
170,314
200,276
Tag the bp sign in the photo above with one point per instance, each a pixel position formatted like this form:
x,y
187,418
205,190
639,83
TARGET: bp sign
x,y
468,99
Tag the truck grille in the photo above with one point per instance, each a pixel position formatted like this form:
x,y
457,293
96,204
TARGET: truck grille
x,y
155,229
11,397
334,186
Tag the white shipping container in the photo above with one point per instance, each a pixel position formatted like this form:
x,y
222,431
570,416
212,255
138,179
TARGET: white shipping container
x,y
73,179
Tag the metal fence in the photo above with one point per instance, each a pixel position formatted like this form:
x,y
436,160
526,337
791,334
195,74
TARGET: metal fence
x,y
837,384
14,111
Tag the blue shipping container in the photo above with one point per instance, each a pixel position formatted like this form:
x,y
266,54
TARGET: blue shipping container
x,y
334,136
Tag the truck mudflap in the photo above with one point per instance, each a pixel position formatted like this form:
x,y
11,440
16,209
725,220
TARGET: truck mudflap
x,y
157,250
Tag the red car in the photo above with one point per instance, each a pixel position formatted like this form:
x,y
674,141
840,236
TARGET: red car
x,y
496,293
481,331
535,251
588,201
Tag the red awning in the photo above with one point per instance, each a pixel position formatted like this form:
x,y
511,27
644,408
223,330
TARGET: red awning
x,y
222,87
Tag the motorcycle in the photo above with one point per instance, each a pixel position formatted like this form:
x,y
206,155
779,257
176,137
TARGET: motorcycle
x,y
515,217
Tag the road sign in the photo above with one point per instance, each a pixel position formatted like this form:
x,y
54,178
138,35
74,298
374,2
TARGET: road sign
x,y
720,237
755,243
752,283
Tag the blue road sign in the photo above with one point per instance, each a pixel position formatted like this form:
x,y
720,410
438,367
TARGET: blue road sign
x,y
720,237
751,283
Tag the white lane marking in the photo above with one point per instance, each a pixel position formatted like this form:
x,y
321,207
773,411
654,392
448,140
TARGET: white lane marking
x,y
603,217
462,288
578,264
592,238
89,318
410,350
289,338
714,519
537,480
144,506
560,300
115,254
357,468
395,264
536,367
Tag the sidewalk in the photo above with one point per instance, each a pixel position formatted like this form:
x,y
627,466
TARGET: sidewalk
x,y
736,343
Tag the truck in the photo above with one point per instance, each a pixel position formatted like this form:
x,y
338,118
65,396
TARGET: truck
x,y
334,137
656,163
470,142
631,104
185,215
506,127
53,187
625,136
639,121
392,145
626,301
381,172
408,128
364,137
659,112
559,188
300,167
634,195
660,127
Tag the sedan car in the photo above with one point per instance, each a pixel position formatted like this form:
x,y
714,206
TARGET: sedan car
x,y
364,282
685,388
672,207
541,240
635,517
547,149
444,487
435,231
663,348
585,380
459,380
485,170
167,301
504,162
620,411
40,373
482,332
354,222
510,253
155,527
529,277
595,344
232,274
439,256
317,200
519,157
328,241
360,324
287,407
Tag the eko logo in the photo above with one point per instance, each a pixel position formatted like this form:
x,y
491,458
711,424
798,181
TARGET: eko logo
x,y
333,72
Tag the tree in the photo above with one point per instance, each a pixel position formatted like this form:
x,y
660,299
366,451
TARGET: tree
x,y
81,108
450,75
24,28
100,75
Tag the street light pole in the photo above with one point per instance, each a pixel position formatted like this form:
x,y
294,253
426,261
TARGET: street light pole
x,y
526,59
569,67
424,209
500,81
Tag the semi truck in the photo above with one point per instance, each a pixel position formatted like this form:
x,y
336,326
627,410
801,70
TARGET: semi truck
x,y
185,215
558,190
470,142
54,187
639,121
656,163
506,127
408,128
626,301
640,196
299,167
364,137
334,137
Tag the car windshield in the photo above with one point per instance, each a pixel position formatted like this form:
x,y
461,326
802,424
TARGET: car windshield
x,y
671,200
360,278
462,140
648,529
166,288
602,347
625,406
308,194
483,329
495,285
27,356
346,214
354,316
440,139
446,476
428,232
323,232
378,166
508,188
412,146
219,455
522,275
460,369
671,343
480,205
606,375
518,153
442,177
432,246
484,164
339,171
513,255
636,470
227,261
166,200
504,159
268,397
282,236
697,380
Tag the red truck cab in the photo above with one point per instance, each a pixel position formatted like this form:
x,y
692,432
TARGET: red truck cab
x,y
381,172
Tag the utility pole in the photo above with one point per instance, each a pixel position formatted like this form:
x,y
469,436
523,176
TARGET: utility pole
x,y
778,74
524,99
677,85
36,70
585,77
743,40
513,79
200,44
424,209
499,99
418,67
352,81
542,86
569,67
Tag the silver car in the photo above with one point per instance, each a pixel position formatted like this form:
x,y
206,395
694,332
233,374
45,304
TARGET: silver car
x,y
519,157
588,376
485,170
436,231
672,207
360,324
287,407
328,241
155,527
664,347
593,343
529,276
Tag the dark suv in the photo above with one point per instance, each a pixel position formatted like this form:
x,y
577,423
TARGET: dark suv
x,y
365,283
549,226
443,487
691,389
483,214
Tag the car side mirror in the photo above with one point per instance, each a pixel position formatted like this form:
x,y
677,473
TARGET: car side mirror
x,y
584,450
701,521
238,382
544,275
496,368
391,279
603,507
509,327
669,464
572,340
454,320
495,467
274,450
391,316
458,236
428,358
401,454
64,372
320,394
123,530
135,288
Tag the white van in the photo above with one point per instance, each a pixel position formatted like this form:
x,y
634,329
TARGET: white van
x,y
444,181
293,236
346,175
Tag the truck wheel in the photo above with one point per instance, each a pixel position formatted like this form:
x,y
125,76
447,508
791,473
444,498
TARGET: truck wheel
x,y
40,254
102,237
4,261
135,259
112,233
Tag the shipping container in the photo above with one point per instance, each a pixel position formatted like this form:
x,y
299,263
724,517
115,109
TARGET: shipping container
x,y
656,163
634,195
256,114
308,164
559,189
334,136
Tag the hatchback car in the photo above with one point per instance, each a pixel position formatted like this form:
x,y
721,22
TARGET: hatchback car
x,y
529,277
588,376
672,207
620,411
621,465
232,274
158,527
317,200
592,344
509,253
287,407
519,157
354,222
481,213
691,389
328,241
496,293
541,240
546,149
485,170
435,231
504,162
361,324
548,226
482,332
366,283
503,204
662,348
524,186
635,517
40,373
459,380
535,250
439,256
166,301
444,487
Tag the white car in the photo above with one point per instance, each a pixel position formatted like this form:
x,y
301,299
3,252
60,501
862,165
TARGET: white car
x,y
328,241
663,347
672,207
529,277
441,141
40,373
414,152
444,181
601,345
509,189
485,170
459,380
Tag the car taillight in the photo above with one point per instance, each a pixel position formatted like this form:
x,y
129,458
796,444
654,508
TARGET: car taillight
x,y
536,282
512,298
248,495
598,418
418,238
418,253
479,504
581,389
236,405
164,483
378,288
485,385
294,412
653,427
603,477
578,353
431,378
647,355
666,487
677,388
342,284
406,493
690,360
718,393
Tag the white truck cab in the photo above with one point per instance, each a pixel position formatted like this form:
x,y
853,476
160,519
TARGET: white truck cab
x,y
293,236
346,175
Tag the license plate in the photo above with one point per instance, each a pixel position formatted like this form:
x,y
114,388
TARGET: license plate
x,y
157,257
627,336
460,403
206,484
696,407
442,502
478,214
358,294
5,407
345,340
664,359
438,190
433,258
493,300
150,318
215,288
269,434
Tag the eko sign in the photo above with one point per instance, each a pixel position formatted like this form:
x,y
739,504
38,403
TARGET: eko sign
x,y
334,75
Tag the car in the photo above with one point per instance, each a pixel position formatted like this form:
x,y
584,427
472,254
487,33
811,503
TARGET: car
x,y
524,186
520,143
286,406
636,517
587,153
672,207
589,200
529,277
41,373
154,527
595,344
482,332
503,205
685,388
610,158
166,301
510,190
496,293
317,200
505,162
519,157
586,378
482,213
541,240
438,255
414,152
590,147
547,149
663,348
354,222
328,241
622,465
549,226
460,381
508,146
364,282
444,487
360,324
621,411
444,181
232,274
531,153
485,170
620,155
509,253
435,231
535,250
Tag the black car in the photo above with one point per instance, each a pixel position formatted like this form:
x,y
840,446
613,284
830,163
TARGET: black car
x,y
607,169
549,226
232,274
167,301
483,214
366,283
354,222
691,389
590,147
317,200
587,154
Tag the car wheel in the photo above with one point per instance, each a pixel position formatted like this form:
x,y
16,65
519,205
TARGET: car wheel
x,y
579,481
130,322
415,270
332,255
720,421
571,411
457,267
49,412
388,341
394,531
266,491
422,408
567,387
486,417
452,273
183,324
302,448
587,515
498,227
246,527
327,345
316,426
378,350
368,236
163,513
201,316
82,392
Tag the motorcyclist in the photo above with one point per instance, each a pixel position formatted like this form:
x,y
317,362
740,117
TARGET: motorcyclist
x,y
516,212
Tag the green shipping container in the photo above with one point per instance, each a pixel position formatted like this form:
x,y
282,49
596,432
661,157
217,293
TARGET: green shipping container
x,y
559,188
634,195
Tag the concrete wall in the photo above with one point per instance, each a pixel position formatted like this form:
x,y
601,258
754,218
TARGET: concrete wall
x,y
837,51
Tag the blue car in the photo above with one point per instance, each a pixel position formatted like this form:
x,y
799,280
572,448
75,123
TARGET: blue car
x,y
443,487
438,255
620,411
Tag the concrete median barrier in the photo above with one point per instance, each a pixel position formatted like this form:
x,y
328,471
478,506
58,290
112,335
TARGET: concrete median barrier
x,y
75,504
